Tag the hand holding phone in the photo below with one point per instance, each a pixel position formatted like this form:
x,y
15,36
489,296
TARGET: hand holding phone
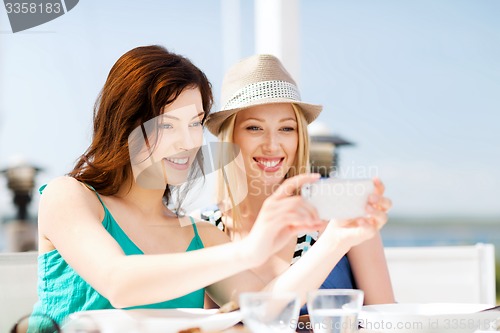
x,y
339,199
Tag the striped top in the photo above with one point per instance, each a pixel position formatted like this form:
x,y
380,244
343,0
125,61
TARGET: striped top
x,y
213,215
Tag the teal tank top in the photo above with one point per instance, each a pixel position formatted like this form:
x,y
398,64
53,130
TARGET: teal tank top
x,y
61,291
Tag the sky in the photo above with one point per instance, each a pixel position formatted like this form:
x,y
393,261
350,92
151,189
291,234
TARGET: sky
x,y
414,84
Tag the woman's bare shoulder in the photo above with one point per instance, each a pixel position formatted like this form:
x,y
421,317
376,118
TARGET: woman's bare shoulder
x,y
64,188
210,234
205,226
68,193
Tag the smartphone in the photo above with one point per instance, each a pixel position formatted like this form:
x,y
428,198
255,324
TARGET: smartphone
x,y
339,199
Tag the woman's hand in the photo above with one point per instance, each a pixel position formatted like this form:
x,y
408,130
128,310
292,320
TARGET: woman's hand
x,y
378,205
355,231
282,216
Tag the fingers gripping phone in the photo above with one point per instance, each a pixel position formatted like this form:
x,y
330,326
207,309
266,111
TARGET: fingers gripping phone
x,y
339,199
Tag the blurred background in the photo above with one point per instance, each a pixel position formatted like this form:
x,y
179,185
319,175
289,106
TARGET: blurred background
x,y
414,85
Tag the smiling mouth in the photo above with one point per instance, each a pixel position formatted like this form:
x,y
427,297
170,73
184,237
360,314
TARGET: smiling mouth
x,y
178,161
268,163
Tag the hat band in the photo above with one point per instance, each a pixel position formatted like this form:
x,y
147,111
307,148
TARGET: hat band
x,y
262,90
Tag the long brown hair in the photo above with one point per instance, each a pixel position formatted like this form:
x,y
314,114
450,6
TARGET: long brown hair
x,y
139,85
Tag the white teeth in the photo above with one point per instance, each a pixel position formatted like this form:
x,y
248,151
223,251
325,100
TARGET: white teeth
x,y
269,164
178,160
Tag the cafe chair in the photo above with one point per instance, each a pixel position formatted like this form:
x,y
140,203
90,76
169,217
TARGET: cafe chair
x,y
443,274
18,283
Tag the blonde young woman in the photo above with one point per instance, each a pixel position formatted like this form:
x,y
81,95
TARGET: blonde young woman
x,y
263,115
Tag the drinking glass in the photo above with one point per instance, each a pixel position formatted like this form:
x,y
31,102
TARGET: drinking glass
x,y
35,323
266,312
334,310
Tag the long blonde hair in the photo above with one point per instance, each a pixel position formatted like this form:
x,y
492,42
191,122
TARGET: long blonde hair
x,y
230,190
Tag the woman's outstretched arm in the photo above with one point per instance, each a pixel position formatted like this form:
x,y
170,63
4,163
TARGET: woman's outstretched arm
x,y
70,218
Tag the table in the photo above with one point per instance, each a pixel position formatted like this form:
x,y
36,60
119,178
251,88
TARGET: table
x,y
240,328
303,319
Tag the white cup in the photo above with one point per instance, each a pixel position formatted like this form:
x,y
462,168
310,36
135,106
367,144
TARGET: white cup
x,y
334,310
265,312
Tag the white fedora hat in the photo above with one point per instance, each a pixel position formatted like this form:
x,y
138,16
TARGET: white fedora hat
x,y
257,80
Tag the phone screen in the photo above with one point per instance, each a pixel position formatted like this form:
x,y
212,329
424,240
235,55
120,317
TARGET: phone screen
x,y
339,199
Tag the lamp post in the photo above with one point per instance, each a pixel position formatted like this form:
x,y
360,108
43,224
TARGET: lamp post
x,y
21,233
323,149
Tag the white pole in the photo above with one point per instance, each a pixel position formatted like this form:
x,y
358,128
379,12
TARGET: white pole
x,y
277,32
231,32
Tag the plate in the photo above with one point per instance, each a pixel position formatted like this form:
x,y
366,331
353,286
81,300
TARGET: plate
x,y
151,321
427,318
